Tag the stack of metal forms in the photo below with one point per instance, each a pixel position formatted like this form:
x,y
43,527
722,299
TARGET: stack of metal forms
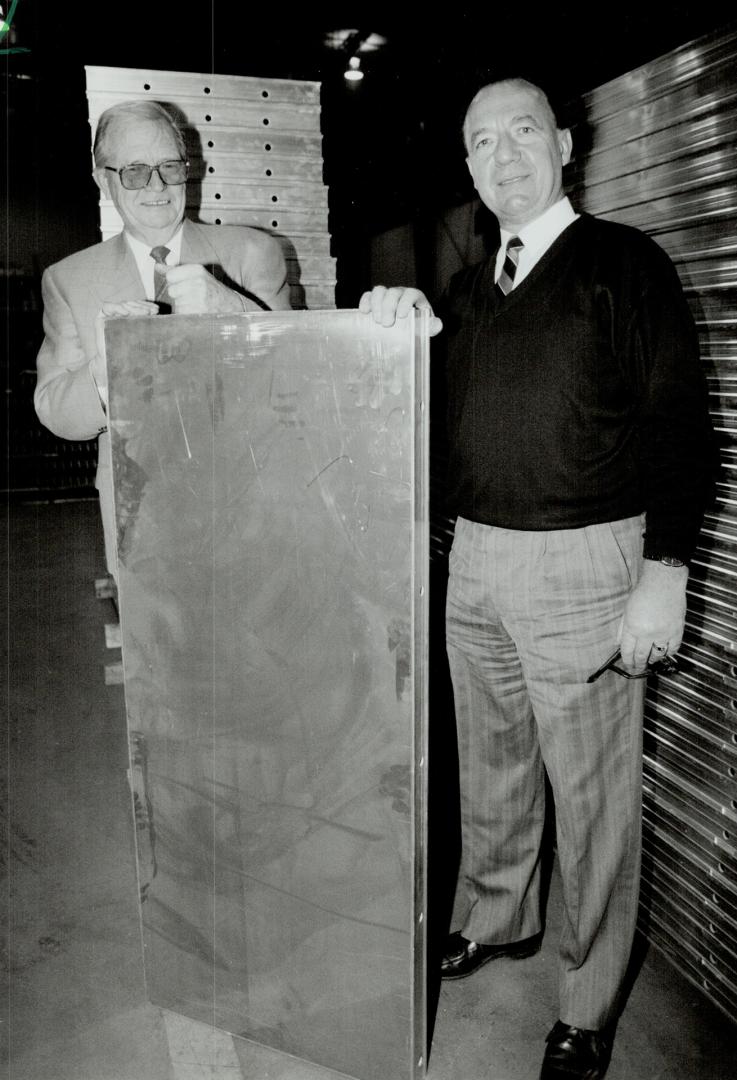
x,y
662,158
255,150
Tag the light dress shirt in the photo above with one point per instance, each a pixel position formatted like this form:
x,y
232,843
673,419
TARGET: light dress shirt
x,y
536,237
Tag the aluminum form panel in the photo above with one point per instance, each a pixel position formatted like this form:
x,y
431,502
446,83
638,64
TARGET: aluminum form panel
x,y
718,205
297,145
711,308
687,912
708,581
710,778
697,708
712,602
719,531
319,297
685,138
699,276
713,92
715,668
709,240
272,535
676,176
664,859
670,212
719,345
693,967
707,672
130,82
672,788
723,386
235,165
708,827
294,196
200,112
669,902
685,64
715,886
701,946
711,628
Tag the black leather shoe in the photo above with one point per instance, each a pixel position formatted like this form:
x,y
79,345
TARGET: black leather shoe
x,y
463,957
575,1054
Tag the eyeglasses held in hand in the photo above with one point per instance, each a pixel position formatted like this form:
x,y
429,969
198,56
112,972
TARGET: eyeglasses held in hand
x,y
665,666
133,177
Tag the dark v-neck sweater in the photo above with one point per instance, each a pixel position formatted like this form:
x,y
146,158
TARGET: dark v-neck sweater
x,y
579,398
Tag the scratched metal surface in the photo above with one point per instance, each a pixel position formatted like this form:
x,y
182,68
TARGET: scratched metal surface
x,y
270,491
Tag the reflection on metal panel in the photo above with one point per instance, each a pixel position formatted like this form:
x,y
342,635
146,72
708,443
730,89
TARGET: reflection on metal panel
x,y
662,159
271,504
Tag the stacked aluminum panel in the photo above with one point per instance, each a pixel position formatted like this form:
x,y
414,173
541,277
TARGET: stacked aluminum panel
x,y
255,152
662,158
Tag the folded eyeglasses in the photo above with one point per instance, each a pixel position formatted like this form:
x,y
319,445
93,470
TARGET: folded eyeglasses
x,y
666,665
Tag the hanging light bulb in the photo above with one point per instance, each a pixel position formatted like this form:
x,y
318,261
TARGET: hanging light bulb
x,y
353,72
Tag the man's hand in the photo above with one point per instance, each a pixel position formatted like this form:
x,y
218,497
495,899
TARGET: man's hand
x,y
387,305
194,291
125,309
654,615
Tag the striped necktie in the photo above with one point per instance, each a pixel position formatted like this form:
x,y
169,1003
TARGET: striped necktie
x,y
161,293
505,284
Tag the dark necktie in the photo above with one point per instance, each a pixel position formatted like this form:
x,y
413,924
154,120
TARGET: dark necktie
x,y
161,293
505,284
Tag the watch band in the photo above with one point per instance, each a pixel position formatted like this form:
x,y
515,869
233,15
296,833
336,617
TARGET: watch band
x,y
666,560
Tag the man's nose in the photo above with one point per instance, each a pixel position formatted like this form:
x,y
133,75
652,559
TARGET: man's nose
x,y
155,182
506,150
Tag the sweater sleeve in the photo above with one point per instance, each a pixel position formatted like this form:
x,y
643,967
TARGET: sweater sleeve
x,y
676,441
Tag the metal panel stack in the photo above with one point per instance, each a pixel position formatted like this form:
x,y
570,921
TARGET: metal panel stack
x,y
255,151
662,158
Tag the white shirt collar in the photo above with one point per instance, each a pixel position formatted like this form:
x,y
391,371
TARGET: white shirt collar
x,y
537,236
141,250
541,232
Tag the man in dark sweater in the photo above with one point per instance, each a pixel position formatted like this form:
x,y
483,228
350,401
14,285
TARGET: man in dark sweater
x,y
580,459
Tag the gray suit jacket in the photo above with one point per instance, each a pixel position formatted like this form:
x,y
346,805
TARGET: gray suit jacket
x,y
67,400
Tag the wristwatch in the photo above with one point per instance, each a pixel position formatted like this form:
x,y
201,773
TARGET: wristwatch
x,y
666,560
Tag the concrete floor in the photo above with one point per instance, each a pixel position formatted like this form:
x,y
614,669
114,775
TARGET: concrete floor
x,y
74,1005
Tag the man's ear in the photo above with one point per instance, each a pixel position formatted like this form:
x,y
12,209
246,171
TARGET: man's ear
x,y
565,142
102,179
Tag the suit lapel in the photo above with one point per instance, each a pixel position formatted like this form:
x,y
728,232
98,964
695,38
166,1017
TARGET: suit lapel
x,y
117,276
198,247
195,246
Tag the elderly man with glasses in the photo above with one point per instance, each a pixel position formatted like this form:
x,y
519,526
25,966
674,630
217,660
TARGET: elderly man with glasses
x,y
160,263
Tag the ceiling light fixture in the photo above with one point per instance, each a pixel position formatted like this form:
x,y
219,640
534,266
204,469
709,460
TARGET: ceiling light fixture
x,y
353,72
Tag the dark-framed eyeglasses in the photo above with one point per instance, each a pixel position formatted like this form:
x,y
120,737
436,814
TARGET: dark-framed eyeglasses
x,y
666,665
133,177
